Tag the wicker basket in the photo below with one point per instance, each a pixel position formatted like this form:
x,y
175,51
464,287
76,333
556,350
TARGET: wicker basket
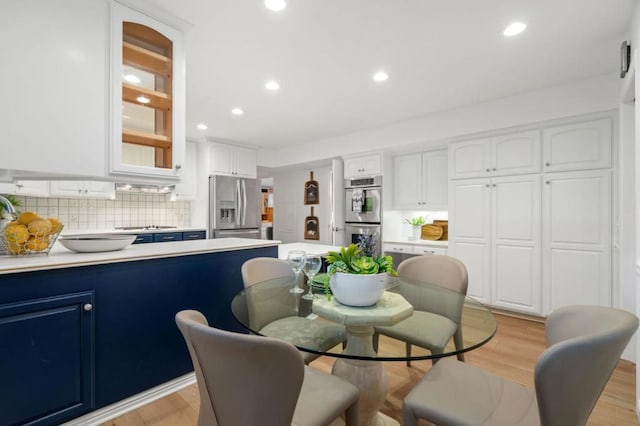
x,y
35,244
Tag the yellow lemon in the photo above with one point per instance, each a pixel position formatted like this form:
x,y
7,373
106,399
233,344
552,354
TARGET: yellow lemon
x,y
15,248
27,217
56,225
37,243
16,234
39,227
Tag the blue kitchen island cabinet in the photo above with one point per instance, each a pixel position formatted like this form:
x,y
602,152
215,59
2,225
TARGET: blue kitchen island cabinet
x,y
80,338
47,360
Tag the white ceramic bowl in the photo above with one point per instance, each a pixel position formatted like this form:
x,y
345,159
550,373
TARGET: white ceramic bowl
x,y
96,243
358,290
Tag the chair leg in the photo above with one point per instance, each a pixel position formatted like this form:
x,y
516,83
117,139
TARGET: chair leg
x,y
376,338
351,417
408,351
457,340
408,417
435,351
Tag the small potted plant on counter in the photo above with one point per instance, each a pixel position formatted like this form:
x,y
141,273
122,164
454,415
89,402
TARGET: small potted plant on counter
x,y
416,224
357,279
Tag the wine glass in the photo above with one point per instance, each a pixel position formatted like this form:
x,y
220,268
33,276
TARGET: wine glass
x,y
296,259
311,268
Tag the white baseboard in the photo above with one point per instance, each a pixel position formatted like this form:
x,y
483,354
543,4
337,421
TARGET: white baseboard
x,y
112,411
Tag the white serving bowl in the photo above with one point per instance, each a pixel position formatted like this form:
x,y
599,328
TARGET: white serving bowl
x,y
96,243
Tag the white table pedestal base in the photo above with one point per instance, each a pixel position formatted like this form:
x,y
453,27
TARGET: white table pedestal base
x,y
368,376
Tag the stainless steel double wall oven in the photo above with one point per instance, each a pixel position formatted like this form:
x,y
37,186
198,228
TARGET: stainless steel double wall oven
x,y
363,218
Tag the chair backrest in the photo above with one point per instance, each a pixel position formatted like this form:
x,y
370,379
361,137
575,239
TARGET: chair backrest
x,y
443,271
584,346
265,305
243,379
263,269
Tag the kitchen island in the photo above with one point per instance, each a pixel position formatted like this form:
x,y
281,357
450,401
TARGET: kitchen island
x,y
83,331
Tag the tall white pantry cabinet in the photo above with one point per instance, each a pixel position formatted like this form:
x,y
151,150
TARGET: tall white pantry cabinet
x,y
530,216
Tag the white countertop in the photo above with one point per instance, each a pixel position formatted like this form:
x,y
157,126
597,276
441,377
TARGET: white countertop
x,y
309,248
127,231
431,243
60,257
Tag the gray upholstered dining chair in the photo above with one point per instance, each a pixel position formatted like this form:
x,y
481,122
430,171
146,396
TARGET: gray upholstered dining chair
x,y
436,317
245,379
270,317
584,344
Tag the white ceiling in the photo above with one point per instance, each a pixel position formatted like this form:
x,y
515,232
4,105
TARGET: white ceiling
x,y
439,55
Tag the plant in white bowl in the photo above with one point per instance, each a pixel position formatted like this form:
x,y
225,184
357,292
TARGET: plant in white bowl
x,y
355,278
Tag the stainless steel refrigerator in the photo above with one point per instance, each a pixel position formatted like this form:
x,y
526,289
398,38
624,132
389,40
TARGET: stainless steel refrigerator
x,y
234,207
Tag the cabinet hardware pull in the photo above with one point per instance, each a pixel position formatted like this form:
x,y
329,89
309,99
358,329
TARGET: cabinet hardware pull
x,y
547,164
494,169
488,185
494,185
547,182
178,166
87,307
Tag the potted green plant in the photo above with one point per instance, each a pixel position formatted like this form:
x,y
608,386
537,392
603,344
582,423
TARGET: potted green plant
x,y
355,278
416,224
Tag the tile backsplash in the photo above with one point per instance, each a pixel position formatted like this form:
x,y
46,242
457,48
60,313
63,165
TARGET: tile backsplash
x,y
128,209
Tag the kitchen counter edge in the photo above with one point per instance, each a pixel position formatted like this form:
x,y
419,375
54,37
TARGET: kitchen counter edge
x,y
59,257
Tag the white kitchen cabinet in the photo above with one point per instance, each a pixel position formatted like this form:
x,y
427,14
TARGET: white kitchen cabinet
x,y
577,239
577,146
147,96
54,96
511,154
187,188
420,249
367,165
33,188
420,181
232,160
76,188
494,229
7,188
397,248
470,233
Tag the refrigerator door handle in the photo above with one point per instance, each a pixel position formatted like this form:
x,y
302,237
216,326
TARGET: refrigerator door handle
x,y
238,203
244,203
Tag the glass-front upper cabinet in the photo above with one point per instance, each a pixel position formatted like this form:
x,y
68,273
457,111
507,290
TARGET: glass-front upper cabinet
x,y
148,96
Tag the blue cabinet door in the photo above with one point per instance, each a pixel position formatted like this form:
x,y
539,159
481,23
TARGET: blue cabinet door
x,y
143,238
47,359
167,236
194,235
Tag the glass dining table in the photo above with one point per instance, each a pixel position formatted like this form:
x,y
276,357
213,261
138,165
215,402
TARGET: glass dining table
x,y
360,351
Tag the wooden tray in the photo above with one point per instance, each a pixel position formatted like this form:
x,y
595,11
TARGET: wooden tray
x,y
431,232
444,224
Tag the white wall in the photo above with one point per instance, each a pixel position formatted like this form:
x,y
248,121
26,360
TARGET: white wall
x,y
576,98
289,210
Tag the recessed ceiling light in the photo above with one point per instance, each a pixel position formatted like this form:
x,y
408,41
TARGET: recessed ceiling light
x,y
143,99
380,76
202,126
514,28
272,85
275,5
237,111
132,78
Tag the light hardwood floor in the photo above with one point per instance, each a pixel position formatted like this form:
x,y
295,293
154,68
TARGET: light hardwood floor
x,y
512,353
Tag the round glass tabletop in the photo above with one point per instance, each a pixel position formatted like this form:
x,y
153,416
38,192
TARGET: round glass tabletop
x,y
435,322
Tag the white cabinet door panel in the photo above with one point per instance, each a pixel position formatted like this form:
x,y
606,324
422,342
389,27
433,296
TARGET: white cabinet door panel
x,y
245,162
517,278
372,165
469,159
470,214
475,256
579,277
578,146
577,239
66,188
515,153
352,167
95,189
578,207
434,180
407,182
222,159
516,209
